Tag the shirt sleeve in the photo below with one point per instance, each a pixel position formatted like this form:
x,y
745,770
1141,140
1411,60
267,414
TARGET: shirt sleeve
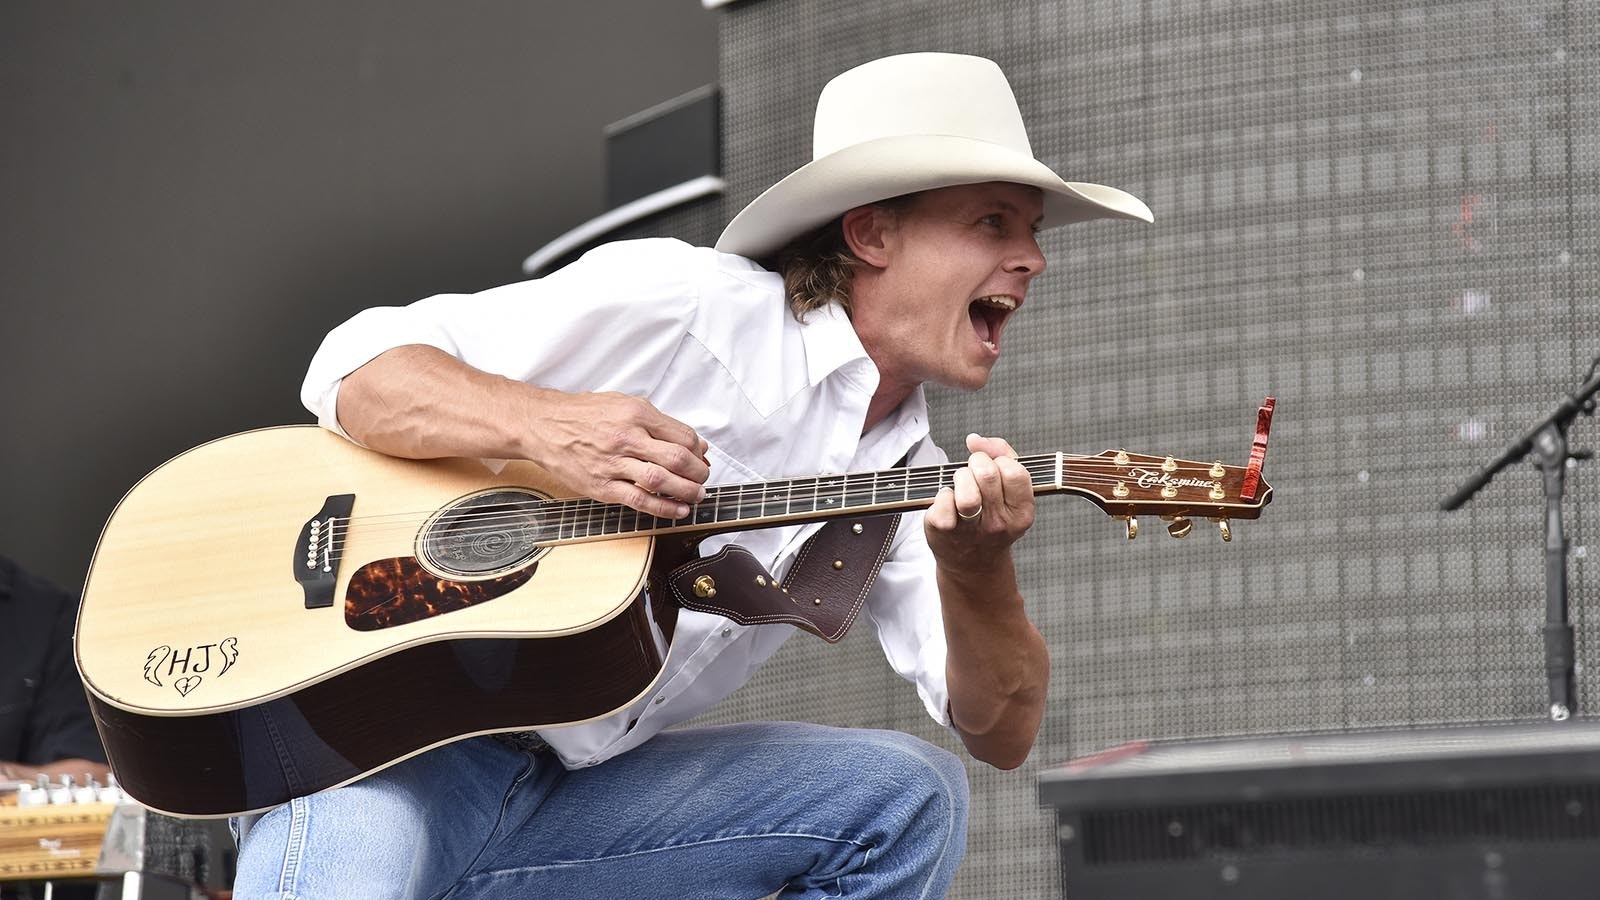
x,y
609,322
904,607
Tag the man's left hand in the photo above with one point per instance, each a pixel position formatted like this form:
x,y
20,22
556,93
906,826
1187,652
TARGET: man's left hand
x,y
972,526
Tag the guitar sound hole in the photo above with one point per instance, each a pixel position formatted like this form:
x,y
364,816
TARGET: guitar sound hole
x,y
485,534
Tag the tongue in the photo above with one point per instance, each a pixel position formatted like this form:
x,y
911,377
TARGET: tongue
x,y
980,324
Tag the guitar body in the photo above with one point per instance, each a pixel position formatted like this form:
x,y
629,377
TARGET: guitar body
x,y
237,655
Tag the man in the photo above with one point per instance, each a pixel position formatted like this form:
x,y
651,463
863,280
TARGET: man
x,y
644,372
45,726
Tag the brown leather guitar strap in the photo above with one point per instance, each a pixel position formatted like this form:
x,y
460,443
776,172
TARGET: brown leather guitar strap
x,y
822,593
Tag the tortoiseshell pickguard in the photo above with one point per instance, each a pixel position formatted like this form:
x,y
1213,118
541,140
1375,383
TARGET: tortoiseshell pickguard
x,y
392,592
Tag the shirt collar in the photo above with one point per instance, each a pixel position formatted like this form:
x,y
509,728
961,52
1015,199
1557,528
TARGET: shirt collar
x,y
832,344
830,341
896,437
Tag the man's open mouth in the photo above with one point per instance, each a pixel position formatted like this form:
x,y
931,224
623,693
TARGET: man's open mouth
x,y
988,315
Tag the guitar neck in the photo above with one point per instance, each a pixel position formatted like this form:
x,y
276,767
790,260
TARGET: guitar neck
x,y
759,504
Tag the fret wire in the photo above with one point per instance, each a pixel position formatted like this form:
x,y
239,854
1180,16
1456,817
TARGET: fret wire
x,y
860,489
775,492
757,504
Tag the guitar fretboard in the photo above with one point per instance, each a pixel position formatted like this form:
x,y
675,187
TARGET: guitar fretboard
x,y
783,500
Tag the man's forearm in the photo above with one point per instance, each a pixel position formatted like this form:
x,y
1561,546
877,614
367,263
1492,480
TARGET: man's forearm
x,y
998,666
419,402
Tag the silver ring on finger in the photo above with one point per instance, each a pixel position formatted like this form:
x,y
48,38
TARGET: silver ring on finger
x,y
975,513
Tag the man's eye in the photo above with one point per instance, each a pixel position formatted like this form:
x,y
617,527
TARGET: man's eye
x,y
994,220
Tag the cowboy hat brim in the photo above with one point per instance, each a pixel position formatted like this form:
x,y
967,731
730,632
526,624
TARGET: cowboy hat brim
x,y
904,164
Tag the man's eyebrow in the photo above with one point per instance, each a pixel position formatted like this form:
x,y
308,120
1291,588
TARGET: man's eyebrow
x,y
1010,207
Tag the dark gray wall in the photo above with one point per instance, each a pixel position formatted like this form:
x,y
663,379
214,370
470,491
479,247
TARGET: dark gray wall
x,y
191,194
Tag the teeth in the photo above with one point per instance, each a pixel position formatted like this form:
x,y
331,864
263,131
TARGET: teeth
x,y
1002,302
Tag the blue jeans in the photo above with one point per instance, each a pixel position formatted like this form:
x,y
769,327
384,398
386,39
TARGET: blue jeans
x,y
736,811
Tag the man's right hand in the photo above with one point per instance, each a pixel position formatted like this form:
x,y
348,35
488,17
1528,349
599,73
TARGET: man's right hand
x,y
618,449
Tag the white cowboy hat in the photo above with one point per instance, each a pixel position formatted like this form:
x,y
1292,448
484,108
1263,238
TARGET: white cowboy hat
x,y
913,123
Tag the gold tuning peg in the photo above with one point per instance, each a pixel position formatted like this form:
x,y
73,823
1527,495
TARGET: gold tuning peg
x,y
1222,526
1180,527
1133,526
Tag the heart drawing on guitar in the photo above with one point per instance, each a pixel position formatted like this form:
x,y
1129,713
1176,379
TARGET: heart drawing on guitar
x,y
187,684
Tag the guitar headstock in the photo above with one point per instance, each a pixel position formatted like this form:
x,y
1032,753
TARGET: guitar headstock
x,y
1127,485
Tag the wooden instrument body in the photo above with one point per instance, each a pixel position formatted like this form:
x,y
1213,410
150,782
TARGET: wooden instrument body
x,y
203,662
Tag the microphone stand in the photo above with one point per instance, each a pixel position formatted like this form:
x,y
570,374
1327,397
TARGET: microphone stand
x,y
1547,441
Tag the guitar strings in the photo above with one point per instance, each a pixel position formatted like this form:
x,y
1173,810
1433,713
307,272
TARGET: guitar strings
x,y
583,514
916,478
580,509
770,493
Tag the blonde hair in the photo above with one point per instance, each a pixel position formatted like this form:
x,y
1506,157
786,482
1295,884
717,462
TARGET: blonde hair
x,y
819,266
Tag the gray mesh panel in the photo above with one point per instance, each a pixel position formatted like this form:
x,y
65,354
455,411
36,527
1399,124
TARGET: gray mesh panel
x,y
1382,214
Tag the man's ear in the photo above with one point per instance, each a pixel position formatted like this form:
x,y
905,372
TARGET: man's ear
x,y
869,231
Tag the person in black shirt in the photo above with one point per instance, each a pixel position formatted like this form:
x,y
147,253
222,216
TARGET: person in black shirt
x,y
45,726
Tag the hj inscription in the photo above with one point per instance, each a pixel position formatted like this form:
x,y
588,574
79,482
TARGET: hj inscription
x,y
186,666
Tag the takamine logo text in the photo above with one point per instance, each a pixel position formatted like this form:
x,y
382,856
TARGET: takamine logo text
x,y
1148,479
186,666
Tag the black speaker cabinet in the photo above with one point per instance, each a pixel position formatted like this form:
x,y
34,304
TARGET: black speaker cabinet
x,y
1501,811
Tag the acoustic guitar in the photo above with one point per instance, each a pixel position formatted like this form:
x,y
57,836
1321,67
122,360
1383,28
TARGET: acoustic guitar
x,y
280,611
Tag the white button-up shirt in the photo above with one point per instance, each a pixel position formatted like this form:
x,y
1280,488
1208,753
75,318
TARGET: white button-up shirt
x,y
708,339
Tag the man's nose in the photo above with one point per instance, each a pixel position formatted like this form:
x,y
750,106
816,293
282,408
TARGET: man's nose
x,y
1027,259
